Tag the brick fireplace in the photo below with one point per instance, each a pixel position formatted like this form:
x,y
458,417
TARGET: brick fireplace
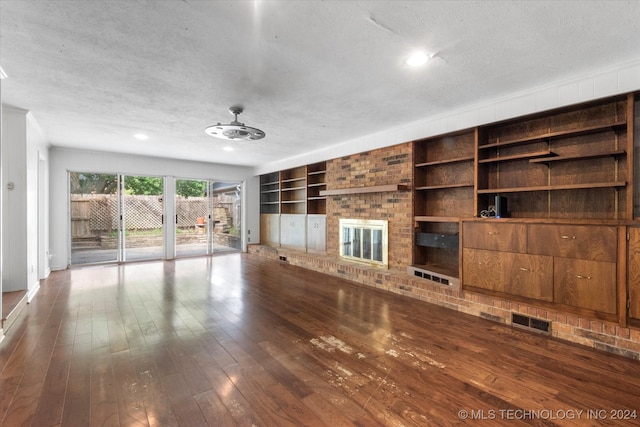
x,y
386,166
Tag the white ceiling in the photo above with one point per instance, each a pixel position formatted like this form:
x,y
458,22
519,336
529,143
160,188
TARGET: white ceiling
x,y
311,74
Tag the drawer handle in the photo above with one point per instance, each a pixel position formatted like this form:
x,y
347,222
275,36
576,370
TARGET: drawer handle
x,y
525,269
482,263
568,237
578,276
492,233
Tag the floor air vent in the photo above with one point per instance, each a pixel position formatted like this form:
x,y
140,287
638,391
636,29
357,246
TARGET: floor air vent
x,y
531,324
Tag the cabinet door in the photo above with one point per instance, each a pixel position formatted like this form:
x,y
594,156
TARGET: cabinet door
x,y
482,269
496,236
634,272
317,233
596,243
529,276
270,229
585,284
293,230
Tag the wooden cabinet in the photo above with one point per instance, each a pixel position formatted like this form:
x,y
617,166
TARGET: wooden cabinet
x,y
316,233
529,276
270,229
597,243
572,265
443,193
633,272
586,284
292,208
293,231
495,236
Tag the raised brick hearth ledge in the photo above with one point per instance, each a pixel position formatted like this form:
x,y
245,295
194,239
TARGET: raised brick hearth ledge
x,y
601,335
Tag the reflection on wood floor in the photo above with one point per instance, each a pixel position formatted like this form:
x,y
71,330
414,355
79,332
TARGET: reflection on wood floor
x,y
236,340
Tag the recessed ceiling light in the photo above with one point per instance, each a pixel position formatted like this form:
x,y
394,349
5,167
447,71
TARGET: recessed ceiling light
x,y
227,148
141,136
417,59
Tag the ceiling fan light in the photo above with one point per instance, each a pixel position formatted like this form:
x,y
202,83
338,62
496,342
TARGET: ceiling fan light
x,y
235,130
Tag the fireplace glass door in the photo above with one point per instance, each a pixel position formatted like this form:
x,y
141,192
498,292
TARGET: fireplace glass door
x,y
364,241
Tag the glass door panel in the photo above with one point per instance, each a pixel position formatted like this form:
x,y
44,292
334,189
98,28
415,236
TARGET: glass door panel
x,y
226,204
94,217
193,214
142,218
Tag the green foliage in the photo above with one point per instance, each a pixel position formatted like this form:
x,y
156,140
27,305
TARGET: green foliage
x,y
191,188
234,231
143,185
93,183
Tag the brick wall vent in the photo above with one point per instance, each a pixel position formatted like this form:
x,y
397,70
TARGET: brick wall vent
x,y
531,323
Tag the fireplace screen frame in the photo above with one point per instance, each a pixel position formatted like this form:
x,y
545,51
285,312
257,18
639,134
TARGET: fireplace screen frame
x,y
365,241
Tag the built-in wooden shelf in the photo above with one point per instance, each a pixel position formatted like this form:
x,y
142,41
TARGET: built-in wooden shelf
x,y
317,172
426,218
320,184
446,161
554,187
302,178
516,157
558,134
291,189
613,153
363,190
291,201
440,187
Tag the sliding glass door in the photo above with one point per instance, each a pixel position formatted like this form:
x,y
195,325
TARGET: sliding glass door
x,y
193,208
142,218
208,217
115,217
95,212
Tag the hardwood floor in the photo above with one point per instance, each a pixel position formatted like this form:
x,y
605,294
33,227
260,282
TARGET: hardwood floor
x,y
237,340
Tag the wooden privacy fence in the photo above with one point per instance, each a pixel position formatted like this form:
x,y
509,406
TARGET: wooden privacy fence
x,y
94,214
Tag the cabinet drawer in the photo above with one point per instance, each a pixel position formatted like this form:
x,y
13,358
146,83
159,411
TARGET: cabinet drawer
x,y
495,236
596,243
524,275
585,284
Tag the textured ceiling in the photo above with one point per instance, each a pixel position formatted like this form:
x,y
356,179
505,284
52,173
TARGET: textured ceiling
x,y
309,73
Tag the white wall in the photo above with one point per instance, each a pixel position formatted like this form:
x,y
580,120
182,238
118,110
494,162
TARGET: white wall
x,y
24,160
64,160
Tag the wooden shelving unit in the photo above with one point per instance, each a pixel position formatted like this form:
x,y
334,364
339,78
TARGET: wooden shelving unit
x,y
571,157
316,183
568,178
293,212
270,193
443,192
293,191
